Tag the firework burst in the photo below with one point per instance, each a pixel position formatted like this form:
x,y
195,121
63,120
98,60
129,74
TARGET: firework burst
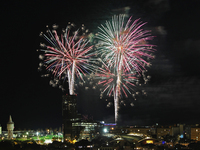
x,y
109,79
124,50
68,55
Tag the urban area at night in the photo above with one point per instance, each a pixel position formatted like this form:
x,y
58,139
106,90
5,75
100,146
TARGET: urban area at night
x,y
100,75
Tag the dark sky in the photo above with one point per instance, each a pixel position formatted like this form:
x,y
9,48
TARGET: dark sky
x,y
172,93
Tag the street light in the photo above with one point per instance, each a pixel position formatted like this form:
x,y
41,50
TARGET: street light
x,y
105,130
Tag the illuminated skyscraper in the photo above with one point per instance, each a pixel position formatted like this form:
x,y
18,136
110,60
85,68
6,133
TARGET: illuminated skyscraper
x,y
70,115
10,128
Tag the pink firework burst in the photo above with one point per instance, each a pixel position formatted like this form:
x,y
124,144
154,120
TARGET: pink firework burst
x,y
115,84
68,55
124,48
123,45
108,78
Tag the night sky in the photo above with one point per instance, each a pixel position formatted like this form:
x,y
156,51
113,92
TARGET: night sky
x,y
172,93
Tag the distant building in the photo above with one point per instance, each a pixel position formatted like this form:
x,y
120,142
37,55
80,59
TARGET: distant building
x,y
74,127
142,131
195,133
10,128
137,131
70,115
164,131
187,133
83,145
88,129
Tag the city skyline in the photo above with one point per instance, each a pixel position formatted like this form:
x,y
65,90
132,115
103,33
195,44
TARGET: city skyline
x,y
173,89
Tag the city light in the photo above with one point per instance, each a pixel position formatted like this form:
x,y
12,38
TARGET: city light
x,y
105,130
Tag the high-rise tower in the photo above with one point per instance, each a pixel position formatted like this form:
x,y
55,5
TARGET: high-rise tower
x,y
70,115
10,128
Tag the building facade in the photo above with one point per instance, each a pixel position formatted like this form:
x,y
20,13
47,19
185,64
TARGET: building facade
x,y
195,133
70,115
87,129
10,128
164,131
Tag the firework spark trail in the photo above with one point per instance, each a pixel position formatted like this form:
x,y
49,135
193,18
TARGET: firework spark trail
x,y
124,47
68,55
115,84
